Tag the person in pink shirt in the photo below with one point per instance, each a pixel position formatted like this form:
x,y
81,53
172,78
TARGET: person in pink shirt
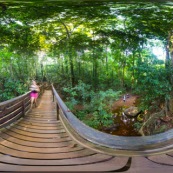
x,y
34,88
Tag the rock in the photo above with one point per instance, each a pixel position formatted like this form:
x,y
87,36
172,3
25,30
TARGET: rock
x,y
132,111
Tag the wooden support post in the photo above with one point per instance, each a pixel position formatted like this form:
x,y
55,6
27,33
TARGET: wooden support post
x,y
52,95
57,110
23,108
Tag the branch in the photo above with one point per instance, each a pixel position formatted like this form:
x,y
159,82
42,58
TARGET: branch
x,y
67,31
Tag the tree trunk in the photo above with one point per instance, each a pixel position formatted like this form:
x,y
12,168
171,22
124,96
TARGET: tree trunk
x,y
69,53
169,66
133,72
79,70
123,70
72,70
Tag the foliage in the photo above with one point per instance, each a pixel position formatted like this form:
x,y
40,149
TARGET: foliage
x,y
161,129
11,88
81,92
16,73
137,126
96,105
153,78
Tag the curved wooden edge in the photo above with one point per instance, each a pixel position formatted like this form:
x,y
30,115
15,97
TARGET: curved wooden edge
x,y
111,144
21,97
14,99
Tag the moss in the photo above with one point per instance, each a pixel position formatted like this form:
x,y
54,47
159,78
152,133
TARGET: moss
x,y
160,129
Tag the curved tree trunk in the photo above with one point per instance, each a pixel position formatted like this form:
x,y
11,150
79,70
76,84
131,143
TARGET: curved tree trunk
x,y
169,66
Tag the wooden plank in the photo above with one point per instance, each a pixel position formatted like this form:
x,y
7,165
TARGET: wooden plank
x,y
143,165
42,131
13,101
43,112
11,109
41,121
99,167
5,124
10,103
38,139
57,133
162,159
110,165
92,159
28,125
25,121
40,118
41,144
170,154
65,149
11,115
47,156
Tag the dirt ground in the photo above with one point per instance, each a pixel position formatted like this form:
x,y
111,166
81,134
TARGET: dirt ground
x,y
131,100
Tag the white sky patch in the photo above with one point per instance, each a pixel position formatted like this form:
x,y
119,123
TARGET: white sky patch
x,y
49,61
157,48
159,52
19,23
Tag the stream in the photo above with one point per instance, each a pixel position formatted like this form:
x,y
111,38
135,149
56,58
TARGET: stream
x,y
123,125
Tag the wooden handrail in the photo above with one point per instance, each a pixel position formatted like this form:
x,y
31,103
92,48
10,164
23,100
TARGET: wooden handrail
x,y
111,144
12,110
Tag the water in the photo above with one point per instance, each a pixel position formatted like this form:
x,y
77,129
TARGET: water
x,y
125,125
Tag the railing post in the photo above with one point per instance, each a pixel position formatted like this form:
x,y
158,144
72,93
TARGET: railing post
x,y
3,111
23,108
57,111
53,96
57,106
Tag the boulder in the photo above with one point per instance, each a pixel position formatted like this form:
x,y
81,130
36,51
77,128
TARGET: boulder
x,y
132,111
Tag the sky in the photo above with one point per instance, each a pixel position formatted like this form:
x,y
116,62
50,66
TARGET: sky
x,y
159,52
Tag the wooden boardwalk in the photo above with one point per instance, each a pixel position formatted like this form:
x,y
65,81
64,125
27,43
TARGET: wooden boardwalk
x,y
39,143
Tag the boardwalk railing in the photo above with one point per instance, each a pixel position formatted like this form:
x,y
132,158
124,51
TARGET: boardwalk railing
x,y
110,144
13,109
